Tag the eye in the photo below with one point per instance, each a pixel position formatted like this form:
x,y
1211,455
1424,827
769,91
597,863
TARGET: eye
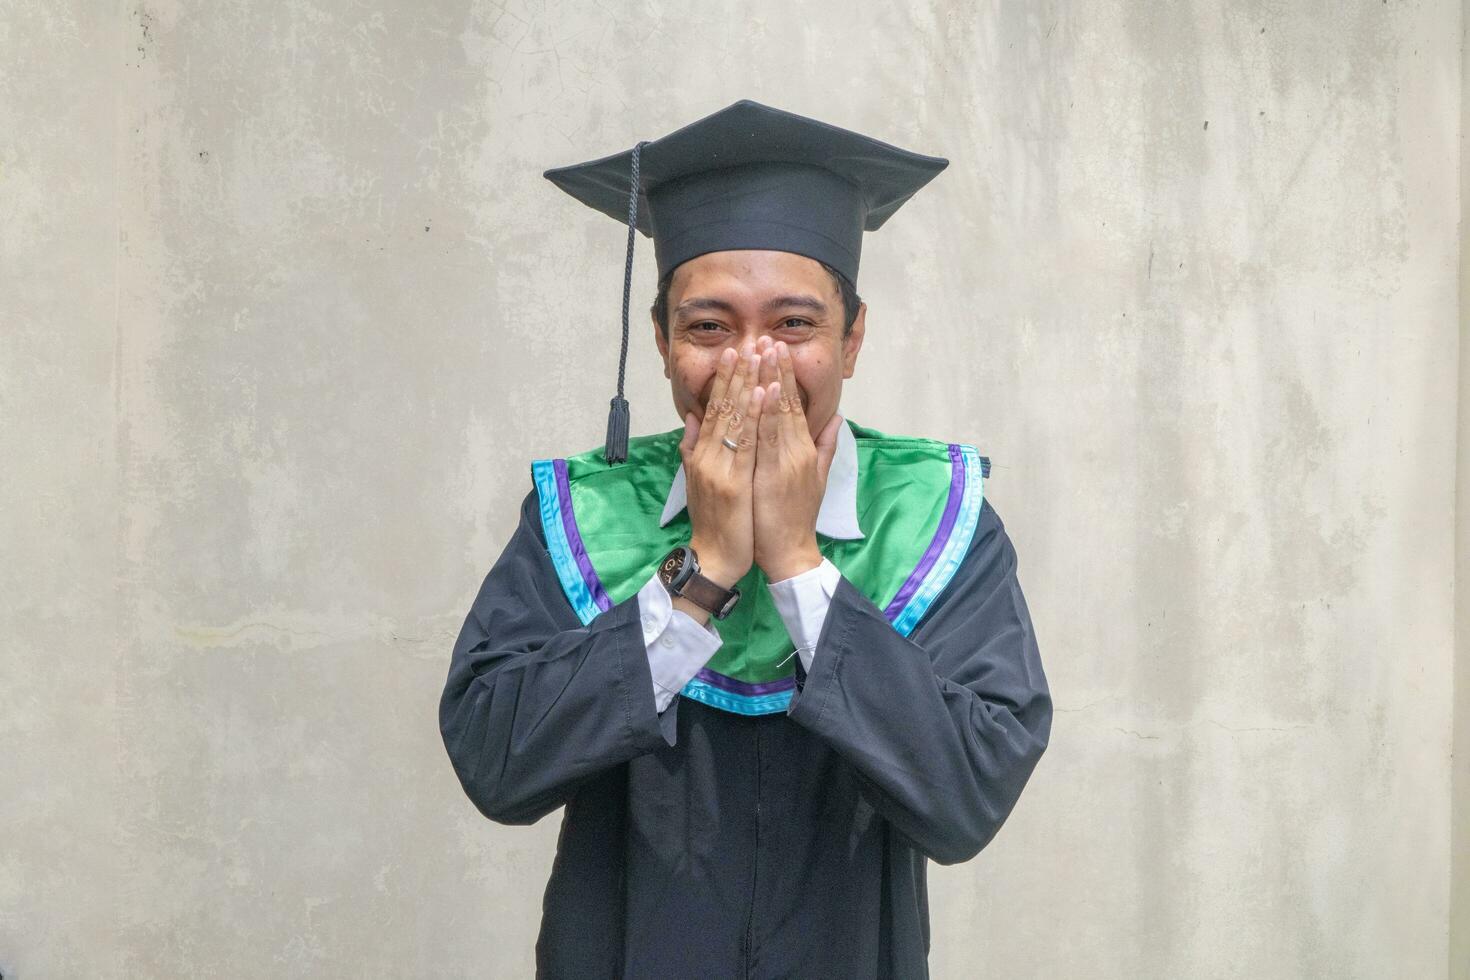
x,y
702,324
795,323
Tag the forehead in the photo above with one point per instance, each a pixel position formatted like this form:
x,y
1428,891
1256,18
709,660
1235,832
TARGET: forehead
x,y
750,271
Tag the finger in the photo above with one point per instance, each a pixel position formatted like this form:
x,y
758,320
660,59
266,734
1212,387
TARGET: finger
x,y
770,370
718,392
747,456
739,377
792,415
720,405
735,424
691,434
771,426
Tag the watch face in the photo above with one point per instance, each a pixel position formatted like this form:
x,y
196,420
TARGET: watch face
x,y
669,571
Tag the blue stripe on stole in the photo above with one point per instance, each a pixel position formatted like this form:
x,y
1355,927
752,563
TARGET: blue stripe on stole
x,y
955,548
579,595
740,704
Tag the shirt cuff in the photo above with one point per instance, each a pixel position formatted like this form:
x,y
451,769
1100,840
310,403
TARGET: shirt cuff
x,y
803,601
677,645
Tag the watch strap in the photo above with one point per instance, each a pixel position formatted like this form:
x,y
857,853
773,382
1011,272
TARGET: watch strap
x,y
707,595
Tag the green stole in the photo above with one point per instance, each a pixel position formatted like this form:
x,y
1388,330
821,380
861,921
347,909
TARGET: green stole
x,y
918,503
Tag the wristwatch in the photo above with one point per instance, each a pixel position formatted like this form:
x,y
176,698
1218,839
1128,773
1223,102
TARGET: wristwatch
x,y
679,572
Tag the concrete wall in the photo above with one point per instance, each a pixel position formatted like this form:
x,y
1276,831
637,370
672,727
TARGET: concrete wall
x,y
1460,803
286,309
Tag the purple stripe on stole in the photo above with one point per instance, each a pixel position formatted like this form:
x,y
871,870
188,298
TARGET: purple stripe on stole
x,y
741,687
941,536
574,538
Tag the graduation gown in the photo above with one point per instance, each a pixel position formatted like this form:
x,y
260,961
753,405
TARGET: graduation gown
x,y
702,843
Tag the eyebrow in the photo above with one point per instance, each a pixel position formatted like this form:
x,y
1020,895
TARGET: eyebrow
x,y
771,305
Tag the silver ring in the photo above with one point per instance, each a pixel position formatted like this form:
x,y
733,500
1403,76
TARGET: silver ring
x,y
730,445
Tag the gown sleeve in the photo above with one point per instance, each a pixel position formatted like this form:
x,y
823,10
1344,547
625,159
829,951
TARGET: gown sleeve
x,y
945,726
536,702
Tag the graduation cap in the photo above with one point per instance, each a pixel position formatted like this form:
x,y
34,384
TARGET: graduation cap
x,y
746,177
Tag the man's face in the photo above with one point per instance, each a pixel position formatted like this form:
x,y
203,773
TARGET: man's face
x,y
730,299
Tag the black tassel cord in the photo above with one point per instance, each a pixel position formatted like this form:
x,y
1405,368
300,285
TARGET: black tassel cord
x,y
615,449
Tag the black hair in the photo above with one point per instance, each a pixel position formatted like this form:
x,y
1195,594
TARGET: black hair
x,y
850,300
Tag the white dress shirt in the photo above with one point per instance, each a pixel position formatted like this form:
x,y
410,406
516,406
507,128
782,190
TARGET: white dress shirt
x,y
678,646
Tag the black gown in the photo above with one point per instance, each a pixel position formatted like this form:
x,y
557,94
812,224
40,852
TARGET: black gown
x,y
704,844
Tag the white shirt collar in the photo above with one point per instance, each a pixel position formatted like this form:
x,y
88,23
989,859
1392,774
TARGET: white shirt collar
x,y
837,517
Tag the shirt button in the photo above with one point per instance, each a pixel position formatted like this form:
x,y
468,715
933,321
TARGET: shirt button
x,y
667,641
648,622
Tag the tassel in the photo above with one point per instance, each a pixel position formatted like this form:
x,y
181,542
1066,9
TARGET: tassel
x,y
615,449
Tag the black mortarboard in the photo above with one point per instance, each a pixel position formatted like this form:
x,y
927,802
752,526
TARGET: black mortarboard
x,y
746,177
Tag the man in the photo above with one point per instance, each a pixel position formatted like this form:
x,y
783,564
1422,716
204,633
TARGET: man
x,y
772,662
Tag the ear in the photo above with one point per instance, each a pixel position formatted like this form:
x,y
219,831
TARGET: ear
x,y
854,341
662,342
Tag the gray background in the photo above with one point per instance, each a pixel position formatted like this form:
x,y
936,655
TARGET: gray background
x,y
286,309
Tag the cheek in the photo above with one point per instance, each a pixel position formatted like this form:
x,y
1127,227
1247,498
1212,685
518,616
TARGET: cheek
x,y
694,375
816,374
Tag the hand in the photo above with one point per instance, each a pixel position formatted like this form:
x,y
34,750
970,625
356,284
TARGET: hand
x,y
718,480
790,473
